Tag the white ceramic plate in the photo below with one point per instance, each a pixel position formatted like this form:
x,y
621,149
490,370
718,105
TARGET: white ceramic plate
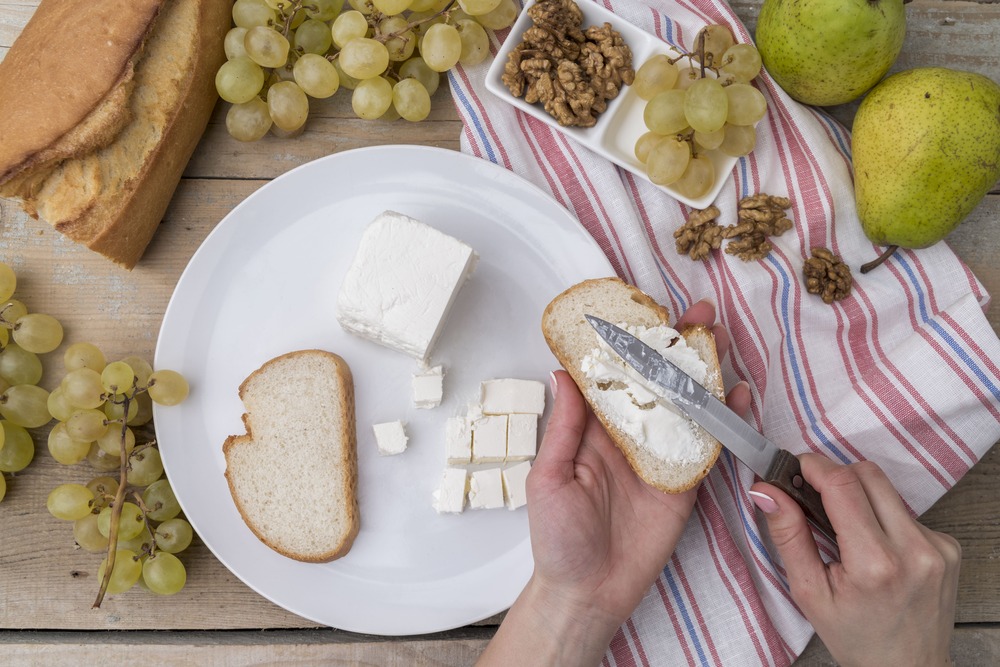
x,y
620,126
265,282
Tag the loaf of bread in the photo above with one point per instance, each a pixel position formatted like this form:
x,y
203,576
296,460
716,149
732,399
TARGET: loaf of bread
x,y
571,338
293,475
102,105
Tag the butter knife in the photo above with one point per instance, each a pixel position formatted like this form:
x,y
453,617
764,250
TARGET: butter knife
x,y
774,465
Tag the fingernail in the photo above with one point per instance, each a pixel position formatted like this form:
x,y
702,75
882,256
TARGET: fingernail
x,y
553,383
707,300
745,384
764,502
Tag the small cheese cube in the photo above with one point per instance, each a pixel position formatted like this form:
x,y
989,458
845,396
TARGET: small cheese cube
x,y
457,440
428,387
486,489
450,494
507,396
522,437
515,479
390,437
489,439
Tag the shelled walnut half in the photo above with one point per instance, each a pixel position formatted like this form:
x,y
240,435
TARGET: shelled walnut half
x,y
827,275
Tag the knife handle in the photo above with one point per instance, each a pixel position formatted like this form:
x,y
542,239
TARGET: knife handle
x,y
786,474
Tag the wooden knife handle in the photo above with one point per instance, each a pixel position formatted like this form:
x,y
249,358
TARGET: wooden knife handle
x,y
786,474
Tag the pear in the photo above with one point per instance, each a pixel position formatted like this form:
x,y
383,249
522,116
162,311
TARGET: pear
x,y
926,150
826,52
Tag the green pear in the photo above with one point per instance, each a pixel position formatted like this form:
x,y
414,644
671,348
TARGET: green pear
x,y
926,151
826,52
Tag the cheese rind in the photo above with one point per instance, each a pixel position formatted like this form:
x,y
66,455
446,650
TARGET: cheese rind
x,y
508,395
489,439
450,494
390,438
402,282
522,437
428,387
486,489
515,479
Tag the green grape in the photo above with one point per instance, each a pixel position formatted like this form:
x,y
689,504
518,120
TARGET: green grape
x,y
475,43
18,366
655,75
160,501
164,573
667,160
13,310
84,355
313,37
747,105
392,7
250,13
101,460
64,449
117,377
130,522
127,568
410,99
145,412
167,387
4,336
87,425
364,58
316,76
114,409
664,114
710,140
249,121
416,68
233,44
363,6
3,486
266,47
742,61
346,81
58,406
140,544
403,43
718,39
441,47
70,502
173,535
3,437
686,76
8,281
698,178
18,448
739,140
111,442
141,368
289,109
432,6
239,80
644,143
425,21
371,98
145,467
323,10
87,535
706,105
104,489
502,16
26,405
298,19
478,7
389,116
348,26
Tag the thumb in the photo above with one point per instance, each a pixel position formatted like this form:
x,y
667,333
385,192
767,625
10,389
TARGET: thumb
x,y
564,432
791,535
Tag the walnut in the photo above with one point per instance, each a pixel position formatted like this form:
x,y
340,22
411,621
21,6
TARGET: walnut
x,y
760,217
827,275
700,235
572,72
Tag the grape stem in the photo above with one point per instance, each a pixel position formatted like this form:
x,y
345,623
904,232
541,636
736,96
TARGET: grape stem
x,y
116,507
293,9
145,519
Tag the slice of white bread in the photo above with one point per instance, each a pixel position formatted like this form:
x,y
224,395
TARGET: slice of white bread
x,y
294,474
571,338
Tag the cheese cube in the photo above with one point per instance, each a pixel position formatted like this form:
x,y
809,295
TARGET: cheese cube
x,y
390,437
457,440
506,396
402,282
489,439
428,387
450,494
522,437
486,489
515,479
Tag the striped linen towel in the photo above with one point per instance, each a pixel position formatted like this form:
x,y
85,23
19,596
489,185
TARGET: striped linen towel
x,y
904,372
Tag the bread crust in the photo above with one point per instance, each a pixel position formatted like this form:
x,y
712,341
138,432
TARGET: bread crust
x,y
568,340
348,460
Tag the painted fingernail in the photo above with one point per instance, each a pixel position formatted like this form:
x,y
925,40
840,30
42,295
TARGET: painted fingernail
x,y
764,502
553,383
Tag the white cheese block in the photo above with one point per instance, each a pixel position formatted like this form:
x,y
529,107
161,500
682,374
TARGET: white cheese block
x,y
522,437
390,437
486,489
402,282
428,387
506,396
450,494
457,440
515,480
489,439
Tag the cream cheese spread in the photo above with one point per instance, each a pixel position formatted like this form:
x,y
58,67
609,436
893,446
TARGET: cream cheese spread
x,y
645,414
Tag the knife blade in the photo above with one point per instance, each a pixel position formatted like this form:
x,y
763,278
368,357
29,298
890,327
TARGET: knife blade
x,y
774,465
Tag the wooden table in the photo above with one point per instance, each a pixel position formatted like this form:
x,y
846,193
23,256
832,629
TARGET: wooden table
x,y
47,587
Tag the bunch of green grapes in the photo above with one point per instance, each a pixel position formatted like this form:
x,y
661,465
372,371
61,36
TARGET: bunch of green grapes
x,y
389,53
23,404
133,518
698,103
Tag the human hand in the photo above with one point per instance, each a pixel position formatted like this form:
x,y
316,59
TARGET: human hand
x,y
890,600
